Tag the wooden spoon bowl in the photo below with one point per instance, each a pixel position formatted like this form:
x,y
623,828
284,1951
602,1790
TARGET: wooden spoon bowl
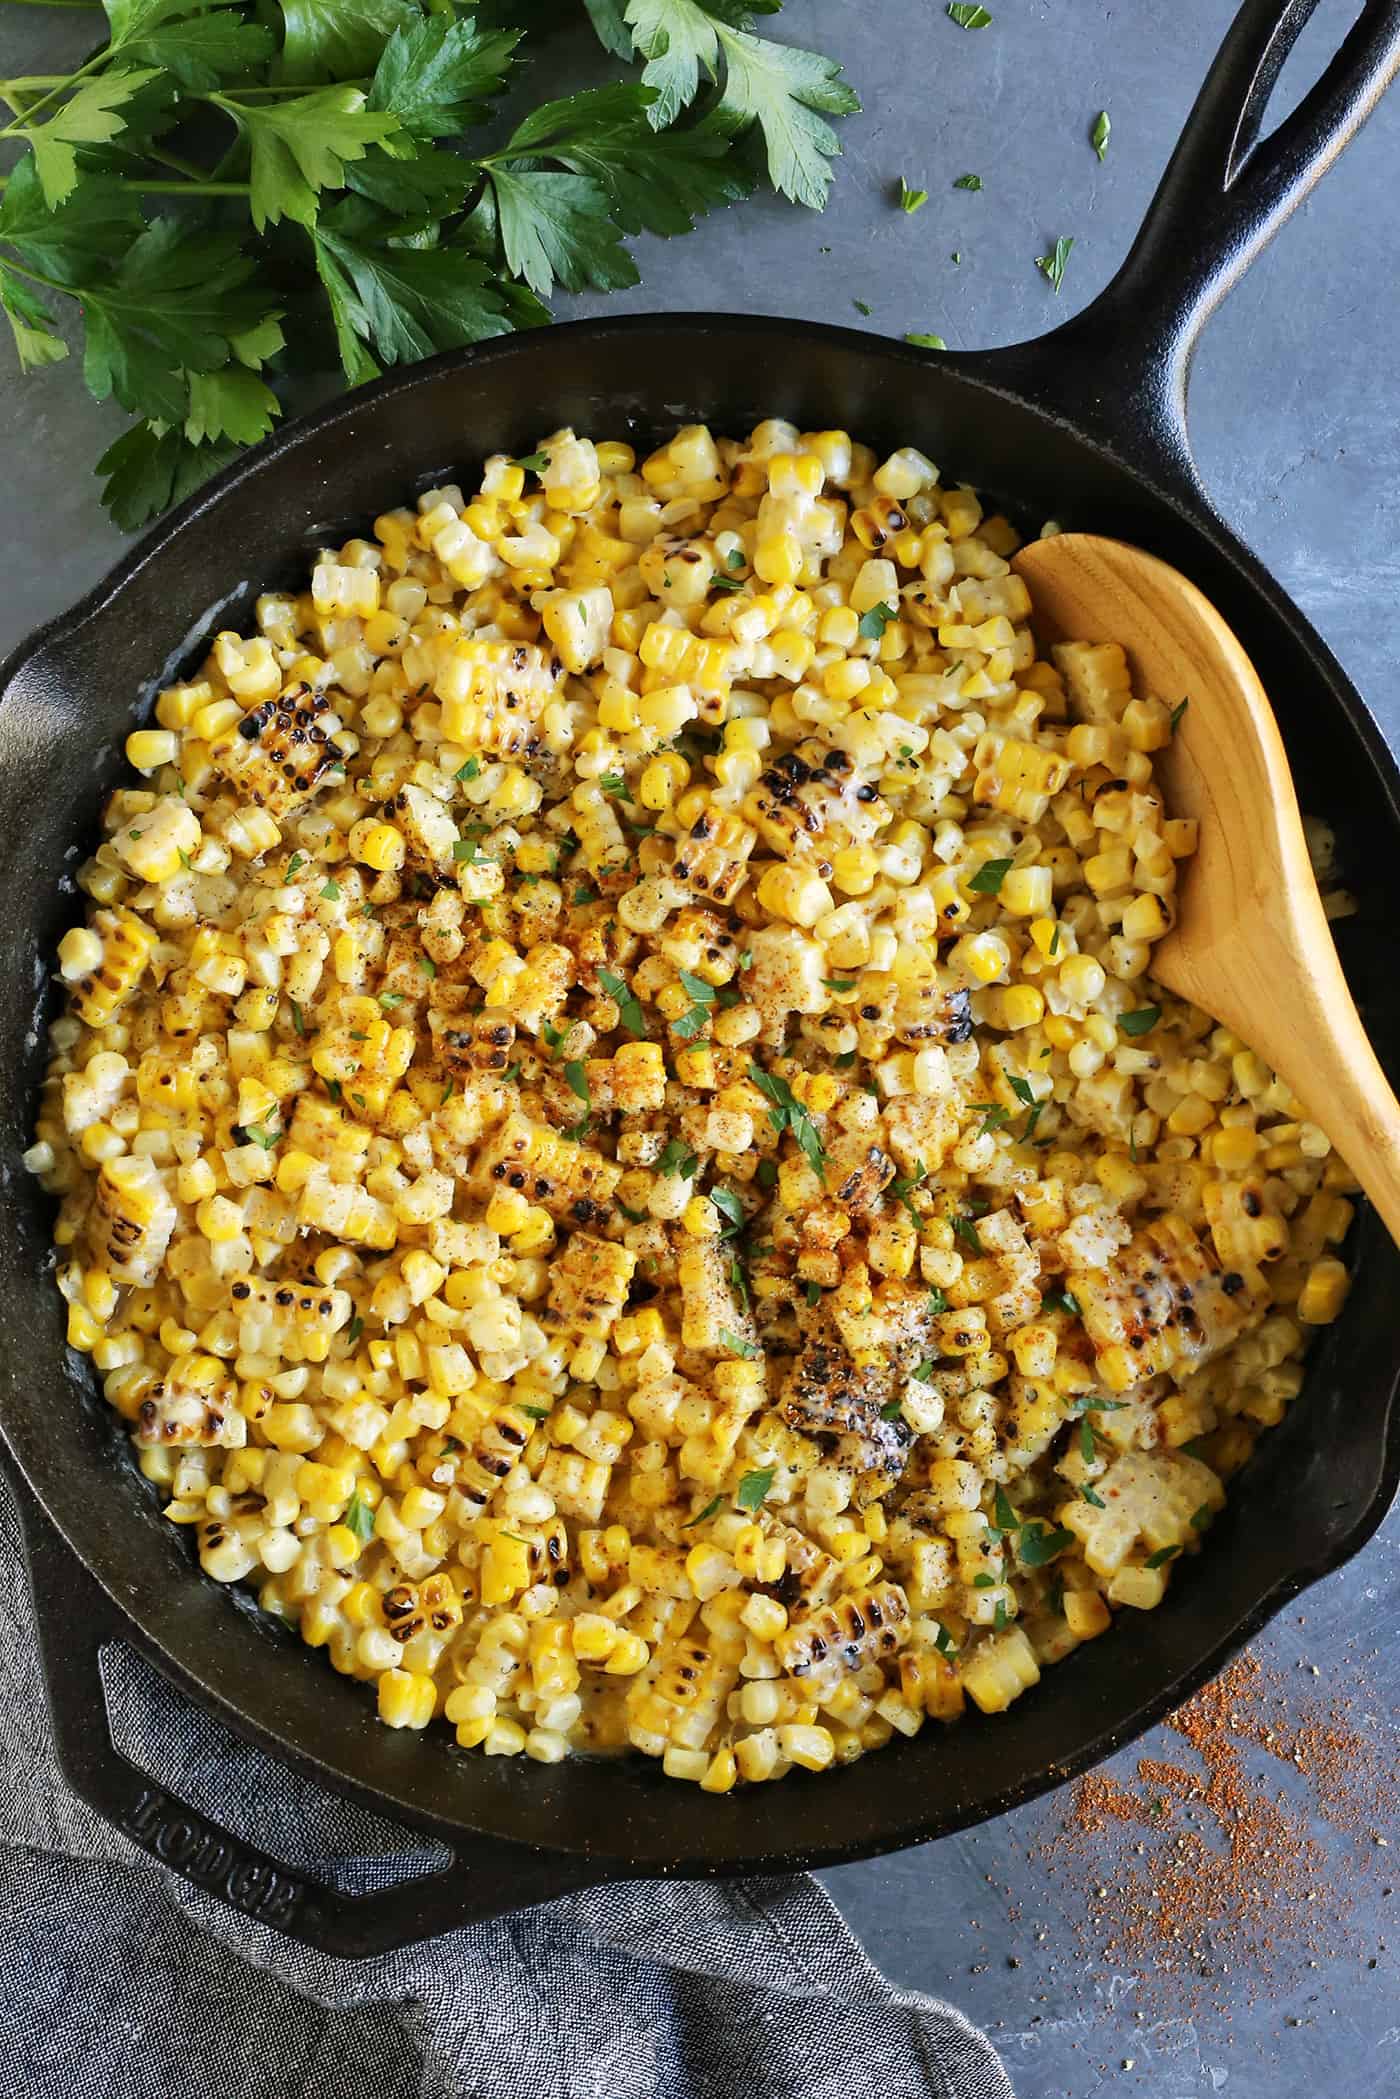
x,y
1251,943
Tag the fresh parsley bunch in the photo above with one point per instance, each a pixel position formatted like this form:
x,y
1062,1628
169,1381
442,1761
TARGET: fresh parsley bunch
x,y
224,180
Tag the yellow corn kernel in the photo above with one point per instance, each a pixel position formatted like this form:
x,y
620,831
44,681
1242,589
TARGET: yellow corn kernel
x,y
406,1699
1324,1292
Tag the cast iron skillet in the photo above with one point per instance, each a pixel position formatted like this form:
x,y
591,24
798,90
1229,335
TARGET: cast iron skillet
x,y
1088,426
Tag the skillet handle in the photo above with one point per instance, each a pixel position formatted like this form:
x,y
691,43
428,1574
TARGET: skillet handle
x,y
1120,367
75,1621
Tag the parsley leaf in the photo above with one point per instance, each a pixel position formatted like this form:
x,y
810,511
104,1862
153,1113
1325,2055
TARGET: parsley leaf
x,y
738,1346
729,1205
577,1076
926,342
629,1009
966,1230
406,303
754,1488
972,182
785,92
989,877
1141,1022
1062,1301
555,227
1101,133
677,1159
1052,266
911,200
358,1519
299,146
438,76
787,1113
872,624
1177,712
1038,1544
704,1515
1161,1556
342,37
90,117
967,15
198,52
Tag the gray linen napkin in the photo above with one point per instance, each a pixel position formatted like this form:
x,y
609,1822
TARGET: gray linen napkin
x,y
123,1982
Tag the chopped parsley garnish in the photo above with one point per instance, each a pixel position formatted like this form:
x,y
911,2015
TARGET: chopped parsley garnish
x,y
553,1036
726,583
937,1302
358,1519
427,965
813,1293
845,1061
333,1089
911,200
1141,1022
184,859
754,1487
677,1158
629,1010
331,892
893,1412
926,342
1201,1518
1095,1501
615,785
535,1413
968,182
1052,266
787,1113
298,1018
984,1581
729,1205
924,1371
968,15
903,1186
1161,1556
577,1077
1101,133
1063,1301
999,1616
943,1640
989,877
389,999
1055,939
738,1346
584,895
872,624
839,983
1177,712
533,462
710,1509
354,1330
1038,1544
468,769
265,1137
966,1230
295,865
1006,1517
702,997
994,1116
860,306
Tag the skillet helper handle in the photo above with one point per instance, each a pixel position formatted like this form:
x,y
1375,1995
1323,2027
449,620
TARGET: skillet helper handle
x,y
1119,368
75,1621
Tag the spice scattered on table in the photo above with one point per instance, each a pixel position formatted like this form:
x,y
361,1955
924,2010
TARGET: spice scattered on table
x,y
1212,1878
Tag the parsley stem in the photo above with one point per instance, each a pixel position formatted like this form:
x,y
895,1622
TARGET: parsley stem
x,y
91,6
191,189
65,81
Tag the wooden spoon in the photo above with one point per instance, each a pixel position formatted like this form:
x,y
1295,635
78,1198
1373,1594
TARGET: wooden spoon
x,y
1251,943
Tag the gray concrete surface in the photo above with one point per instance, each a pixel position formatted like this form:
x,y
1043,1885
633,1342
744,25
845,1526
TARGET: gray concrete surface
x,y
1295,413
